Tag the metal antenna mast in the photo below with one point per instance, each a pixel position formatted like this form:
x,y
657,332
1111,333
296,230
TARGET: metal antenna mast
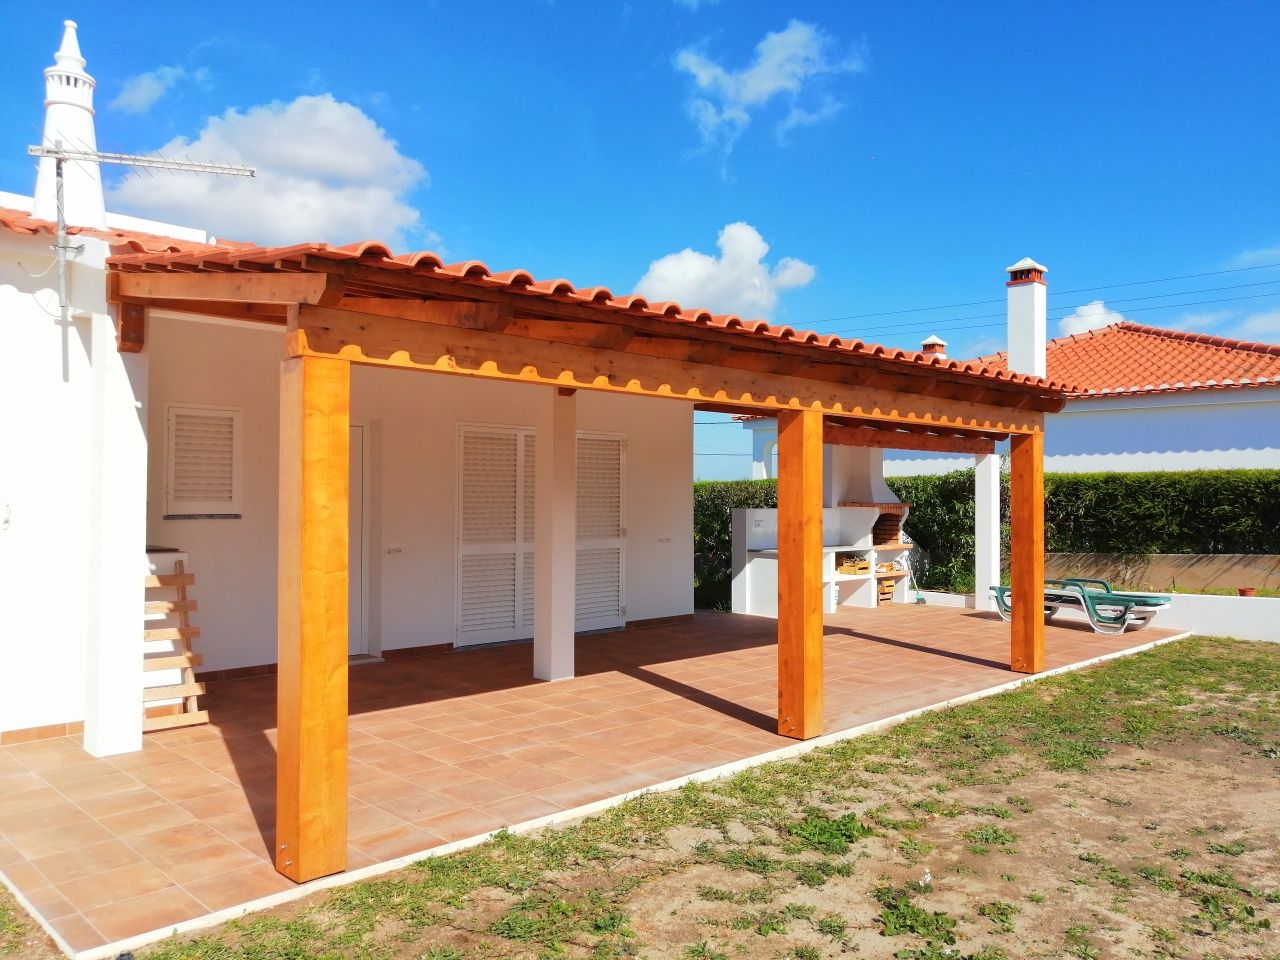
x,y
60,154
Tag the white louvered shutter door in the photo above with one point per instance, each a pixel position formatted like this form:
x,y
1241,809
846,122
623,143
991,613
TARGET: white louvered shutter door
x,y
599,601
488,536
203,469
527,534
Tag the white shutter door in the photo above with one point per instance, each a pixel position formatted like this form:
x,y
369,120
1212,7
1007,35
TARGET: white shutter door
x,y
599,599
527,535
488,535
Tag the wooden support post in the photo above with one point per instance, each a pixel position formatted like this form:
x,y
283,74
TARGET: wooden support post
x,y
311,761
1026,552
800,574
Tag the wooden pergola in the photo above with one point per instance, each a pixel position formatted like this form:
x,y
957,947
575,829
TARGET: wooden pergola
x,y
360,305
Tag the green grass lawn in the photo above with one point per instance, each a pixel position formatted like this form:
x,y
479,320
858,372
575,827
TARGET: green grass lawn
x,y
1129,810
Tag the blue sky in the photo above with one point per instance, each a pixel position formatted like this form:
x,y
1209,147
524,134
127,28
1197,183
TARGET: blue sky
x,y
890,155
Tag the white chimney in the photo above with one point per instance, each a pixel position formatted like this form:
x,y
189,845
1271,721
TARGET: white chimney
x,y
68,119
1027,317
935,346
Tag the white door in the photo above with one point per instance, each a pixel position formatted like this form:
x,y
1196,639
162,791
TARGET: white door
x,y
600,603
495,535
357,597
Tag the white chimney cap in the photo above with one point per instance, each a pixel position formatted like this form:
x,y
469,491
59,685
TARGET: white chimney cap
x,y
933,341
1026,263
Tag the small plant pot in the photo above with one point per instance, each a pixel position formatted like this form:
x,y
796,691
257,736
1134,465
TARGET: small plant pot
x,y
1247,591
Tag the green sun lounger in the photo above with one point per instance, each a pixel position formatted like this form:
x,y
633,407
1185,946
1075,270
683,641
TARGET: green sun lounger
x,y
1108,610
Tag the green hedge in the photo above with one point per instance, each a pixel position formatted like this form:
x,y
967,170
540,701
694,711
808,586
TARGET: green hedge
x,y
1199,511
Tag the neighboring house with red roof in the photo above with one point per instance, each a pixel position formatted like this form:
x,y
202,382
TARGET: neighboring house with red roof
x,y
1142,398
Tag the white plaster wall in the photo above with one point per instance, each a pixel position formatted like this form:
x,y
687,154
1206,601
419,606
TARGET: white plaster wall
x,y
1212,429
44,506
903,463
1224,429
71,482
413,419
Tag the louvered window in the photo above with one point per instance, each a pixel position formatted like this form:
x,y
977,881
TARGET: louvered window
x,y
203,468
599,599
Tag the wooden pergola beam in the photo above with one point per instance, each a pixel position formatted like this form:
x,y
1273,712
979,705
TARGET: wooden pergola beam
x,y
899,440
396,342
924,380
237,286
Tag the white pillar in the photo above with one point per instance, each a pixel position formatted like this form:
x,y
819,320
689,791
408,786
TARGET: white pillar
x,y
1027,318
986,532
764,438
117,491
555,538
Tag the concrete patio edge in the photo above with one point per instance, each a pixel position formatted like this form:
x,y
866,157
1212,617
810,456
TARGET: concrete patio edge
x,y
111,950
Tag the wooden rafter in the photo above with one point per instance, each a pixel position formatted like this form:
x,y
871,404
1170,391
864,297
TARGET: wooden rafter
x,y
902,440
396,342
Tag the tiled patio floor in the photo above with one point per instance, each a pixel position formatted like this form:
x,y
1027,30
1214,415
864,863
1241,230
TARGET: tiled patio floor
x,y
448,747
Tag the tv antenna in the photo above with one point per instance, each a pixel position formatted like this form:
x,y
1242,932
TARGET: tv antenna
x,y
60,155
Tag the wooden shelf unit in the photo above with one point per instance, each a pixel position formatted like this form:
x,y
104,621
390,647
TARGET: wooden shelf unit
x,y
167,649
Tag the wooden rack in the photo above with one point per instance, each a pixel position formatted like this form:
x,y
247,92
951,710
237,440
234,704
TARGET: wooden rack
x,y
175,636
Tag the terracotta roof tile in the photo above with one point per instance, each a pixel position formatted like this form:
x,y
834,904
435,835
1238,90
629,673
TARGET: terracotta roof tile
x,y
121,241
519,281
1128,358
133,249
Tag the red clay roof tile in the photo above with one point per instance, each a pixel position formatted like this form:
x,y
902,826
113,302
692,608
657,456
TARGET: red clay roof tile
x,y
1129,358
135,249
121,241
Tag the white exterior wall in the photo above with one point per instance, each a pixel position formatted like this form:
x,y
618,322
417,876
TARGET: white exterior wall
x,y
72,485
1231,429
413,422
1220,429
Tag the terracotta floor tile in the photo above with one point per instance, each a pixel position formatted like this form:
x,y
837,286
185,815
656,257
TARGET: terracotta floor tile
x,y
238,886
72,836
460,824
48,902
396,841
110,886
221,857
482,791
153,911
78,932
168,841
520,808
384,790
147,819
86,861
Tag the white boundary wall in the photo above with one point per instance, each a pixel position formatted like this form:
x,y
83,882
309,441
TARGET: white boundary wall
x,y
1245,618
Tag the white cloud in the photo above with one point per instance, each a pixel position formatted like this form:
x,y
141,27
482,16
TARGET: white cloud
x,y
1260,326
140,93
738,281
785,63
1089,316
326,172
694,4
1257,258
